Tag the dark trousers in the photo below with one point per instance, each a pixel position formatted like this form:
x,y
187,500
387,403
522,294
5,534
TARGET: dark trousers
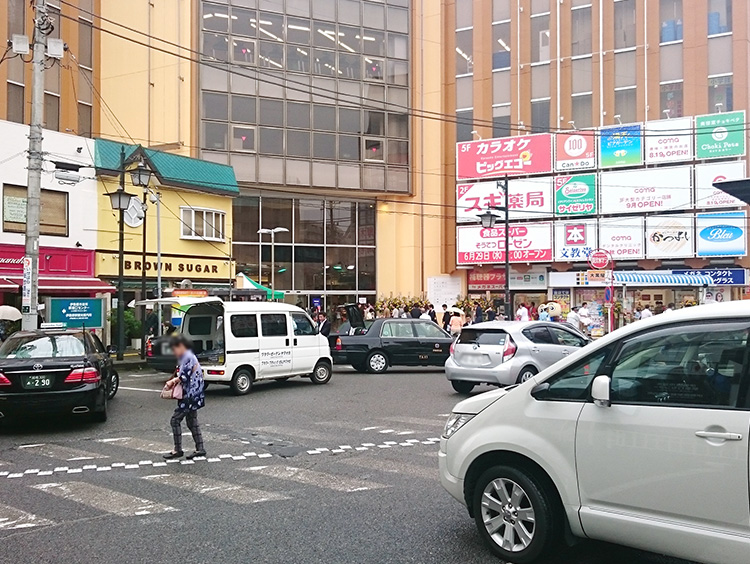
x,y
191,418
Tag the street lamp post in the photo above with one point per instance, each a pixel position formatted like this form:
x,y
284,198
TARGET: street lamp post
x,y
272,233
489,218
120,201
141,177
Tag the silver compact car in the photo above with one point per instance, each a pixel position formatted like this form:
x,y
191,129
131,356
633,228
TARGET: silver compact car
x,y
501,353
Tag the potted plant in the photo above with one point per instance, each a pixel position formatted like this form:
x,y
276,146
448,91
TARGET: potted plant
x,y
133,328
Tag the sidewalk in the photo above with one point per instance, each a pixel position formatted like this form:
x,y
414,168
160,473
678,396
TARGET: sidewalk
x,y
131,361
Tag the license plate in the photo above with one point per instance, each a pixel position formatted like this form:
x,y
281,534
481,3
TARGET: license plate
x,y
37,382
476,360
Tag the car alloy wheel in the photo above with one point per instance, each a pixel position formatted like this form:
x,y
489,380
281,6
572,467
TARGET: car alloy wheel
x,y
507,514
526,374
114,385
377,362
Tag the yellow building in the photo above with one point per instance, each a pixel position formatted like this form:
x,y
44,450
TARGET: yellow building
x,y
195,220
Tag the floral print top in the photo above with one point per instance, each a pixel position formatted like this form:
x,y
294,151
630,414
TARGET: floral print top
x,y
191,377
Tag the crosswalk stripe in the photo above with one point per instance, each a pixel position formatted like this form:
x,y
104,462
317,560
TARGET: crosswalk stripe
x,y
139,444
391,466
418,421
103,499
12,518
313,478
62,452
223,491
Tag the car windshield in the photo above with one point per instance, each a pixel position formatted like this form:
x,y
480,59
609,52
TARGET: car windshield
x,y
482,337
43,346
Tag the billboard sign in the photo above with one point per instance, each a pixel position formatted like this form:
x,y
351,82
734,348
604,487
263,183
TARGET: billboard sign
x,y
529,198
706,196
669,236
484,281
646,190
575,195
575,151
621,145
77,312
720,276
493,158
720,135
530,242
575,240
622,237
721,234
669,140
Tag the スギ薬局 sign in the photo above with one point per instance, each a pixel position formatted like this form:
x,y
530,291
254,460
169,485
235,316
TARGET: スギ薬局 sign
x,y
494,158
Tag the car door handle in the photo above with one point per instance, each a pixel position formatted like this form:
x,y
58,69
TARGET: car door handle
x,y
535,349
295,341
718,435
287,342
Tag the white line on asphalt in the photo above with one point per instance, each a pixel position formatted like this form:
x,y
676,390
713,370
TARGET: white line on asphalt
x,y
222,491
370,428
319,479
138,389
104,499
385,465
138,444
417,421
63,452
12,518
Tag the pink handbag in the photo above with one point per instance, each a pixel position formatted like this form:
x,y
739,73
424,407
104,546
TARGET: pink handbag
x,y
172,393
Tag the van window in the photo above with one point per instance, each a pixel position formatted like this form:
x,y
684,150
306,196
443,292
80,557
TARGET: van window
x,y
273,324
199,325
244,325
302,324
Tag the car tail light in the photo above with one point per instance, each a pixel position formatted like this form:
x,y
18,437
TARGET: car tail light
x,y
149,348
88,375
338,344
215,372
453,347
4,380
510,349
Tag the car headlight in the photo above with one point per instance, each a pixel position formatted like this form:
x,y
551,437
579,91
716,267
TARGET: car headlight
x,y
455,422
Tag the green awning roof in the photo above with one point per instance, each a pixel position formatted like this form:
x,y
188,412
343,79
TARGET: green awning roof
x,y
170,170
270,295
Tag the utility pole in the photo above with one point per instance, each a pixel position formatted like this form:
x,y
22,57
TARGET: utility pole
x,y
121,266
144,330
30,292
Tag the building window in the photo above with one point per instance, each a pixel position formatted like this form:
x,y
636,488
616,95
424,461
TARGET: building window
x,y
243,51
243,139
53,215
464,125
582,75
464,15
540,76
582,111
501,46
720,94
501,87
215,17
719,16
625,74
501,126
500,10
464,92
85,124
52,112
670,62
670,12
202,224
671,99
624,24
16,103
540,115
214,135
215,106
540,39
464,50
85,44
373,150
626,104
720,55
581,31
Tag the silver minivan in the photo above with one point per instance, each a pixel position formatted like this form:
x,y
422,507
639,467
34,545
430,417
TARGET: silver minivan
x,y
501,353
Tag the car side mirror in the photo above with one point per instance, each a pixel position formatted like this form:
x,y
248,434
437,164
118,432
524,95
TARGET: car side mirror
x,y
112,349
540,391
600,391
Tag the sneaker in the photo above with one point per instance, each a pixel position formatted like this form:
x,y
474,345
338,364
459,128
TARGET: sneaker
x,y
173,455
196,453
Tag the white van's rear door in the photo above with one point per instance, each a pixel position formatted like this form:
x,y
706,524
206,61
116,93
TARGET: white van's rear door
x,y
275,346
306,350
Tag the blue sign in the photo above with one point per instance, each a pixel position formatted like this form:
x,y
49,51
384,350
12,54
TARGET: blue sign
x,y
77,312
316,302
721,277
621,145
721,234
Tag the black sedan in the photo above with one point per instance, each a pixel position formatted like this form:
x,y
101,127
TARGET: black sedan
x,y
56,371
390,342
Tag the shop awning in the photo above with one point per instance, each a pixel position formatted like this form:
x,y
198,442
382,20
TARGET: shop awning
x,y
6,284
270,294
653,279
67,284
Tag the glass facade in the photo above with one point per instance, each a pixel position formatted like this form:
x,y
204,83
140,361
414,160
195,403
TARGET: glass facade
x,y
308,92
326,258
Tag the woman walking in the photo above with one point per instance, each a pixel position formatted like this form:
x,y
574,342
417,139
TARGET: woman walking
x,y
190,376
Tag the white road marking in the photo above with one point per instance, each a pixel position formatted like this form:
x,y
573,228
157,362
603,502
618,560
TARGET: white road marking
x,y
139,389
12,518
387,431
293,432
370,428
417,421
138,444
63,452
319,479
385,465
103,499
223,491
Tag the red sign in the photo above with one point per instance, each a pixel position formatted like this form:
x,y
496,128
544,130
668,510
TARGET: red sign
x,y
493,158
483,281
600,259
575,151
53,261
189,293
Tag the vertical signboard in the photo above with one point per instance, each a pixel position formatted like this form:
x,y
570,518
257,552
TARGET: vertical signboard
x,y
706,175
492,158
669,236
668,140
529,242
622,237
575,151
575,240
621,145
646,190
26,289
720,135
575,195
721,234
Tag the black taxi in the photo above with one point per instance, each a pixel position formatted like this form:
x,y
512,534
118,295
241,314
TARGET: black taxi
x,y
389,342
58,371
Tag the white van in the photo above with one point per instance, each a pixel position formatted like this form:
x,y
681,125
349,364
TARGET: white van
x,y
239,343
